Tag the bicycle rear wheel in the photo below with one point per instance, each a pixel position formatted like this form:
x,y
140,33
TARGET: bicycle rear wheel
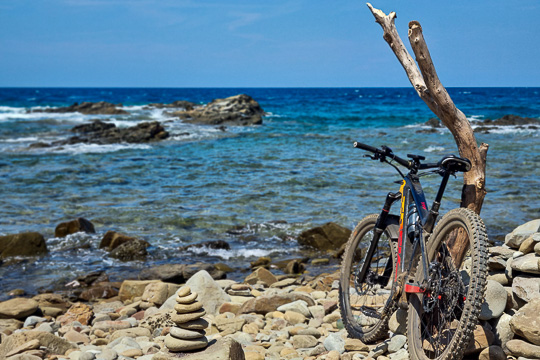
x,y
366,305
441,320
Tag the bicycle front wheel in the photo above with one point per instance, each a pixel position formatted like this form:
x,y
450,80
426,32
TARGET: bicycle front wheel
x,y
441,320
366,303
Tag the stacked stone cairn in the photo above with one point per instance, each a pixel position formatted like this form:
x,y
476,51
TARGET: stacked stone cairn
x,y
189,333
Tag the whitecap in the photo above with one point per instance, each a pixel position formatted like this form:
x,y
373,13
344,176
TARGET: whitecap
x,y
430,149
235,253
96,148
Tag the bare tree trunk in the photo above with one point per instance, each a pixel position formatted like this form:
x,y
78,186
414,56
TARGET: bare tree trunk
x,y
425,81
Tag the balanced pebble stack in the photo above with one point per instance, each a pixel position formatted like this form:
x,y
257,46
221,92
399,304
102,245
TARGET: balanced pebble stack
x,y
189,334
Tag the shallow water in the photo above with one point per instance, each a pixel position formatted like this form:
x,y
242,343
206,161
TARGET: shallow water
x,y
273,181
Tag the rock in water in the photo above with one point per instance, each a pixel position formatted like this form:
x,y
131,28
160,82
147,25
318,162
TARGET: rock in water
x,y
102,107
23,244
235,110
329,236
74,226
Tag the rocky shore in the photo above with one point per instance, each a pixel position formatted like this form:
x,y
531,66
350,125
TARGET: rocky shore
x,y
262,316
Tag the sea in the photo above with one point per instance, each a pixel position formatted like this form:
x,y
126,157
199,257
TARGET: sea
x,y
255,187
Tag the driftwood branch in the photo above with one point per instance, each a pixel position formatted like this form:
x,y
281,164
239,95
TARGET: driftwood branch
x,y
426,82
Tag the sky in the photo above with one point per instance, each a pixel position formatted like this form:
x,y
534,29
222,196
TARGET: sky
x,y
254,43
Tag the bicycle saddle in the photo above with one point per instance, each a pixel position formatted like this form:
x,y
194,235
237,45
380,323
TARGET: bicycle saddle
x,y
454,163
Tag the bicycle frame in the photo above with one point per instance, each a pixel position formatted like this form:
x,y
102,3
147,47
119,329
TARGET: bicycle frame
x,y
410,190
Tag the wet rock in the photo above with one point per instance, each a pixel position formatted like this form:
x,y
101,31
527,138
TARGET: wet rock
x,y
187,105
235,110
22,244
512,120
521,233
494,301
17,308
74,226
329,236
89,108
434,123
131,250
112,239
526,322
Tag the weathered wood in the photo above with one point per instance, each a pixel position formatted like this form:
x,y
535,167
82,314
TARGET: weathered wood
x,y
427,84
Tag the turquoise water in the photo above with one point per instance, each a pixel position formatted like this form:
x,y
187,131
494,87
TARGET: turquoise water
x,y
273,181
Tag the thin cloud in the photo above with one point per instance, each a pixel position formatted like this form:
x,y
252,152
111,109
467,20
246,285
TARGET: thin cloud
x,y
243,19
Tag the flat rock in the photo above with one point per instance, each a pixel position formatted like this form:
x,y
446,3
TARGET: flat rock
x,y
53,343
261,275
178,345
529,263
183,318
17,308
188,308
199,324
355,345
112,325
131,332
222,349
184,334
30,345
188,299
268,303
304,341
225,324
300,306
492,353
521,233
520,348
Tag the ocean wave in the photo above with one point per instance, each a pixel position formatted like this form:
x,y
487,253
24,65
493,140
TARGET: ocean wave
x,y
236,253
96,148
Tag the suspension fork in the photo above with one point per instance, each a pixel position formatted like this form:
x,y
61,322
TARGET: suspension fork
x,y
380,226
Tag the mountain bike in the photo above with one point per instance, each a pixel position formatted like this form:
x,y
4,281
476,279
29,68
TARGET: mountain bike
x,y
438,273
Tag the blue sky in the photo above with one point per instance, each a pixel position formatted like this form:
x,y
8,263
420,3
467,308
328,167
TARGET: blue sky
x,y
232,43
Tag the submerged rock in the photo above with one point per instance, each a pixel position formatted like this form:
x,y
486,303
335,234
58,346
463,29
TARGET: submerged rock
x,y
235,110
89,108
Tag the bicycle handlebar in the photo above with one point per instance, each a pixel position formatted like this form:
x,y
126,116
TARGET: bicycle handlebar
x,y
381,154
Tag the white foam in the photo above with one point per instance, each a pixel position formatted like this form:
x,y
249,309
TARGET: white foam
x,y
22,139
235,253
430,149
96,148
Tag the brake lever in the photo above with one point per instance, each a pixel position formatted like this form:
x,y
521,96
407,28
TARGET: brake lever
x,y
372,157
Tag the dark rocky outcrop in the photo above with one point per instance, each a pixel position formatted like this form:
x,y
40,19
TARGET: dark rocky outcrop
x,y
112,239
74,226
512,120
131,250
329,236
187,105
88,108
235,110
22,244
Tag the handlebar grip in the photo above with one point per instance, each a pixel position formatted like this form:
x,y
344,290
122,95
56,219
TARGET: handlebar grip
x,y
428,166
359,145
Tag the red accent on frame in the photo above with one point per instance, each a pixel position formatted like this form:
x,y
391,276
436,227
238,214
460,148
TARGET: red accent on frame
x,y
413,289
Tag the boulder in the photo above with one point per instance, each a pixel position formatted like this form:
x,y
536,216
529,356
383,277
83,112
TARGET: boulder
x,y
179,273
135,288
502,330
261,275
329,236
131,250
52,343
78,312
526,322
74,226
494,301
186,105
112,239
529,263
17,308
520,348
521,233
22,244
210,293
239,110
